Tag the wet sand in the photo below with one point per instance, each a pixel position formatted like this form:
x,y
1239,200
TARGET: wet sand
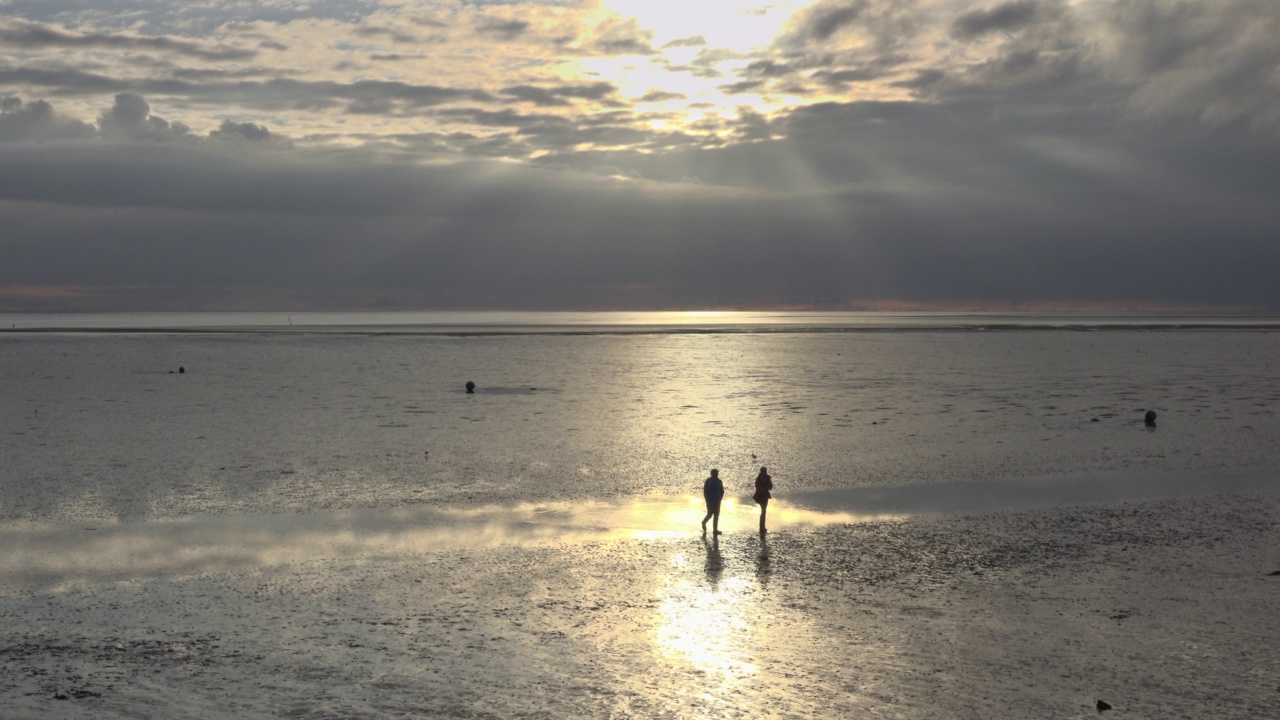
x,y
1161,608
328,527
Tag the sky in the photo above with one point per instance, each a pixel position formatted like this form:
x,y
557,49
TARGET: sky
x,y
639,154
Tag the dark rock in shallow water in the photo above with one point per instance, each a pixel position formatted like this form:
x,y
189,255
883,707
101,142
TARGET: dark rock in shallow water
x,y
1277,572
471,387
1150,418
1103,706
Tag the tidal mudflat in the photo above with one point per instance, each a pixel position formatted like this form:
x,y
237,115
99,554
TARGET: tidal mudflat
x,y
1160,608
967,524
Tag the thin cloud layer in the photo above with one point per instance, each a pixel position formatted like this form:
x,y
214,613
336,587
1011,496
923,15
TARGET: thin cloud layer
x,y
843,153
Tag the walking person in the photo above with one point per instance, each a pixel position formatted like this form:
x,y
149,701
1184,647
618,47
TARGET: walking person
x,y
713,493
764,483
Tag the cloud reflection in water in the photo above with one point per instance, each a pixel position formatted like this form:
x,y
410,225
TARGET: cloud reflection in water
x,y
52,555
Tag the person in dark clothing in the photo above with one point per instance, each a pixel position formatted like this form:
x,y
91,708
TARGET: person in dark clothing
x,y
764,483
713,493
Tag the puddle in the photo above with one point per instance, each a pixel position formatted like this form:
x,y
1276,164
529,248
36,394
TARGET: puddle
x,y
1032,492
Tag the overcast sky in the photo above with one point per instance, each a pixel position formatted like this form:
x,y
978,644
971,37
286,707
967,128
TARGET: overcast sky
x,y
639,154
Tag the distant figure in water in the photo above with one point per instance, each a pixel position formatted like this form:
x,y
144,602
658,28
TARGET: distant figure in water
x,y
713,493
764,483
181,369
1150,418
471,388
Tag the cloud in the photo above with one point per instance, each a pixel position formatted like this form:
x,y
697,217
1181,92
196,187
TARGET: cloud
x,y
245,131
37,122
620,36
1001,18
1214,63
661,96
693,41
825,19
276,93
130,118
35,36
939,151
504,29
392,34
555,95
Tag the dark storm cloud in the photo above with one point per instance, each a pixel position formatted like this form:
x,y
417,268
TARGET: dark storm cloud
x,y
847,202
1001,18
1214,62
31,36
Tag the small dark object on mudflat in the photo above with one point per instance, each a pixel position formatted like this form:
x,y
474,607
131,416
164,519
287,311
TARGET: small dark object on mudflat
x,y
1150,418
1103,706
1276,572
471,387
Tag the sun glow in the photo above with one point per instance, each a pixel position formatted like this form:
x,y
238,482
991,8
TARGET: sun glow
x,y
701,47
707,625
722,24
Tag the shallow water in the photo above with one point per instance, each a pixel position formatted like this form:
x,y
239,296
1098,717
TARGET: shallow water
x,y
325,525
98,427
47,555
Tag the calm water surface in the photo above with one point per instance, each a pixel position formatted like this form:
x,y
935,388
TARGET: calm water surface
x,y
98,424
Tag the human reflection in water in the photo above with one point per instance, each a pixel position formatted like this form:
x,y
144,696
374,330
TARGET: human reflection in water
x,y
763,568
764,483
715,563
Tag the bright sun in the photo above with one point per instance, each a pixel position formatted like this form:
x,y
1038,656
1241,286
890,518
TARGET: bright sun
x,y
726,24
701,45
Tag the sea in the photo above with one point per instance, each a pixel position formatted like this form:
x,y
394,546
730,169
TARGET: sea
x,y
308,516
157,416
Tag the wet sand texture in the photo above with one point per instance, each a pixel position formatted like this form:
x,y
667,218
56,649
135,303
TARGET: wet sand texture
x,y
1162,609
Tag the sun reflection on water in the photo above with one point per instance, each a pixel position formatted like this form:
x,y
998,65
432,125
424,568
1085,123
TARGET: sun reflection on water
x,y
119,550
707,623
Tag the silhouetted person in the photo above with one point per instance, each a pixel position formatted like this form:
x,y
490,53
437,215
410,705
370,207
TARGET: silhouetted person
x,y
181,369
471,387
764,484
1150,418
713,493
